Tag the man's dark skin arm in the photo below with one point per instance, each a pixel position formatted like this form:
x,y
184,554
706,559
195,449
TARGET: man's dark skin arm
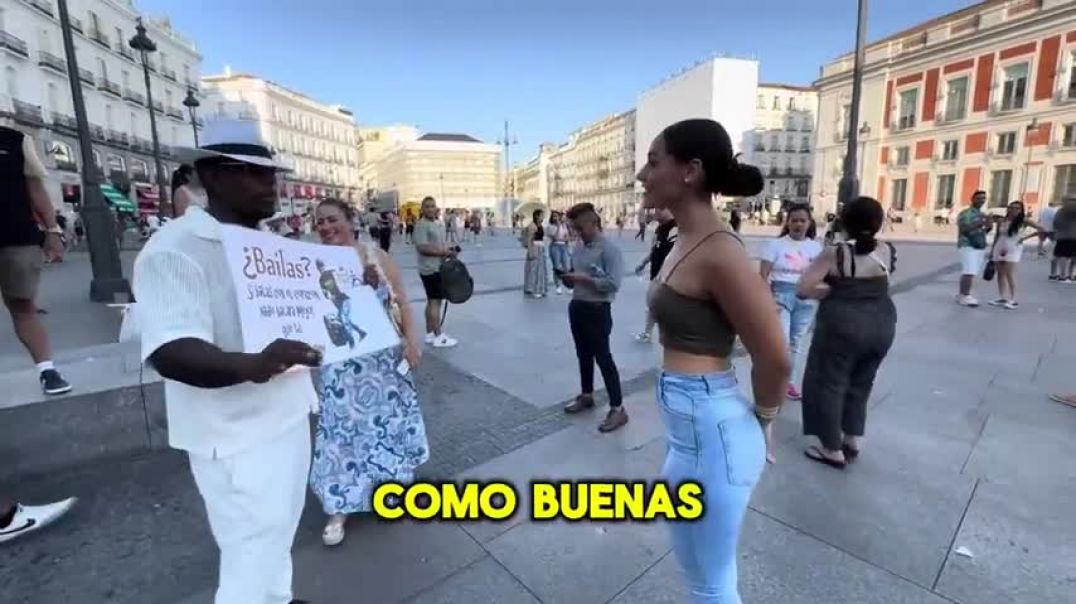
x,y
200,364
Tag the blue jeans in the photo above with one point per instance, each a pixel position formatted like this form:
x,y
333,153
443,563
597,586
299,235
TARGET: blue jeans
x,y
561,257
796,315
714,439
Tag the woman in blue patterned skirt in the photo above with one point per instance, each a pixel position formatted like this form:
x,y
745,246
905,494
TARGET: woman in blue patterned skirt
x,y
370,430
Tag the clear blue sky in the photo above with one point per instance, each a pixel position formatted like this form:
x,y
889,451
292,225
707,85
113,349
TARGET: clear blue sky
x,y
548,66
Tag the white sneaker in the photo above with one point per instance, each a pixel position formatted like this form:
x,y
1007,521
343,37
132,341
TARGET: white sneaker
x,y
998,302
30,518
1011,305
443,341
967,301
430,337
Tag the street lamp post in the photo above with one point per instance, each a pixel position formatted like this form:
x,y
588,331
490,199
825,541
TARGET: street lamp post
x,y
192,104
1032,127
507,142
144,45
108,283
849,185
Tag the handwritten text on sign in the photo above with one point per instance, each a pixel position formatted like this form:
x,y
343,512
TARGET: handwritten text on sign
x,y
307,292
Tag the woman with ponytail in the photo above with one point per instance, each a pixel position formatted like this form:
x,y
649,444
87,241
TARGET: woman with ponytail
x,y
854,329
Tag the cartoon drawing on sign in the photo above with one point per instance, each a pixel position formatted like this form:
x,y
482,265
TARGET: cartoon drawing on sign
x,y
341,328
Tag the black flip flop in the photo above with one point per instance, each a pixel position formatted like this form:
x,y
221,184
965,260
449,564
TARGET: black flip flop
x,y
820,458
849,453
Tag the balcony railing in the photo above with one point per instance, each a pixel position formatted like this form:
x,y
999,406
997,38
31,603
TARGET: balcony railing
x,y
125,52
76,24
138,174
134,97
27,112
64,121
97,133
166,151
115,136
110,87
42,5
175,112
47,59
86,75
158,106
169,74
13,44
141,144
101,38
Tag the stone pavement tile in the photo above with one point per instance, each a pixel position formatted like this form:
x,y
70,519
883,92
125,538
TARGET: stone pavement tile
x,y
930,382
484,582
779,564
383,561
1024,451
571,454
644,425
916,431
899,517
1028,403
1056,373
584,562
1023,542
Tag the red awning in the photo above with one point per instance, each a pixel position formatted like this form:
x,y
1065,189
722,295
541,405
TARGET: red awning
x,y
147,195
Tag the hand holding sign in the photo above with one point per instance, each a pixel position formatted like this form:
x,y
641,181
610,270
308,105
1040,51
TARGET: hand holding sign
x,y
279,356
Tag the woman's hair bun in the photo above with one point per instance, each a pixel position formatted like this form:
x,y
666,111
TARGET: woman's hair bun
x,y
741,180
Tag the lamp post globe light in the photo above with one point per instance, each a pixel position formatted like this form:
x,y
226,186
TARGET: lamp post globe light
x,y
192,104
107,283
144,45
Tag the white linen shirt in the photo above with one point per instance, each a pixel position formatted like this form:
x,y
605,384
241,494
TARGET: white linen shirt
x,y
184,289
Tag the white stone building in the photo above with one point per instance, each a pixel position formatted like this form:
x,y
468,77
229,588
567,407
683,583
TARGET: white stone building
x,y
317,140
782,143
35,95
461,171
373,142
721,89
596,165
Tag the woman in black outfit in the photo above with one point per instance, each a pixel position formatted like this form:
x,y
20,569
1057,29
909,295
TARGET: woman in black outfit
x,y
854,329
664,239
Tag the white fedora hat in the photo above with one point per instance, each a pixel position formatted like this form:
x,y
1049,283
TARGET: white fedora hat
x,y
236,139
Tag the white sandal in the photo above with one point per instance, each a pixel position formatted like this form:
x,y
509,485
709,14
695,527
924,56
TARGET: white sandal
x,y
333,533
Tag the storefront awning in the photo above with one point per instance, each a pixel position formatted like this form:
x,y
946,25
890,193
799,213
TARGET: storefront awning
x,y
117,199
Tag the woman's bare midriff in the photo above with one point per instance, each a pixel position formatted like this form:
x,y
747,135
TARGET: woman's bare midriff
x,y
676,361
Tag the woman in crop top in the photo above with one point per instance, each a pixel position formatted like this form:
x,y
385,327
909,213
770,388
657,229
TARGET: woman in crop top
x,y
854,329
706,294
535,276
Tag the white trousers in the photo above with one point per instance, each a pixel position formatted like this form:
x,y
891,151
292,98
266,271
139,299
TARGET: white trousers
x,y
254,500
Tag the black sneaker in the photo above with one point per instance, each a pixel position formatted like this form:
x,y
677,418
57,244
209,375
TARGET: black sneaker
x,y
53,383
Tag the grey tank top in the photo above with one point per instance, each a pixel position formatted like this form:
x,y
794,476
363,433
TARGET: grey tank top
x,y
689,324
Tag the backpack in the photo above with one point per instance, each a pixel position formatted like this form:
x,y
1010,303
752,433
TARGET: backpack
x,y
456,281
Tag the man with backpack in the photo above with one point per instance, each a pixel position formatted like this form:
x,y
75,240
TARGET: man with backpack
x,y
429,240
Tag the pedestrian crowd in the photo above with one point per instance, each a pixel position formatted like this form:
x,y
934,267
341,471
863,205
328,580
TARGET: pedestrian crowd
x,y
242,418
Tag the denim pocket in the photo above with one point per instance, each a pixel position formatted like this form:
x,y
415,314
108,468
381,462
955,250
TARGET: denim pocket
x,y
745,449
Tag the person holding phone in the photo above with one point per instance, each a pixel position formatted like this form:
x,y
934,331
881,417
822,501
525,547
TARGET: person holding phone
x,y
370,428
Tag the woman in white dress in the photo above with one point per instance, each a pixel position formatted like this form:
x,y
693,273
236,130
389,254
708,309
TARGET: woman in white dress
x,y
1008,250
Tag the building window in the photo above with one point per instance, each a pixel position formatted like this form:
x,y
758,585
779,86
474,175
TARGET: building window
x,y
120,42
116,164
1006,143
103,68
1064,182
900,192
1068,138
946,187
909,100
956,99
1014,88
776,102
903,156
774,143
791,103
950,150
96,159
805,144
139,170
1000,183
761,104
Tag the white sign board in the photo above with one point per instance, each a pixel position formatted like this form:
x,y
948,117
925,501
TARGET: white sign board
x,y
307,292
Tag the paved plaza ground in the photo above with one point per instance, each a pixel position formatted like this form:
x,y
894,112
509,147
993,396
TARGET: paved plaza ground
x,y
963,450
